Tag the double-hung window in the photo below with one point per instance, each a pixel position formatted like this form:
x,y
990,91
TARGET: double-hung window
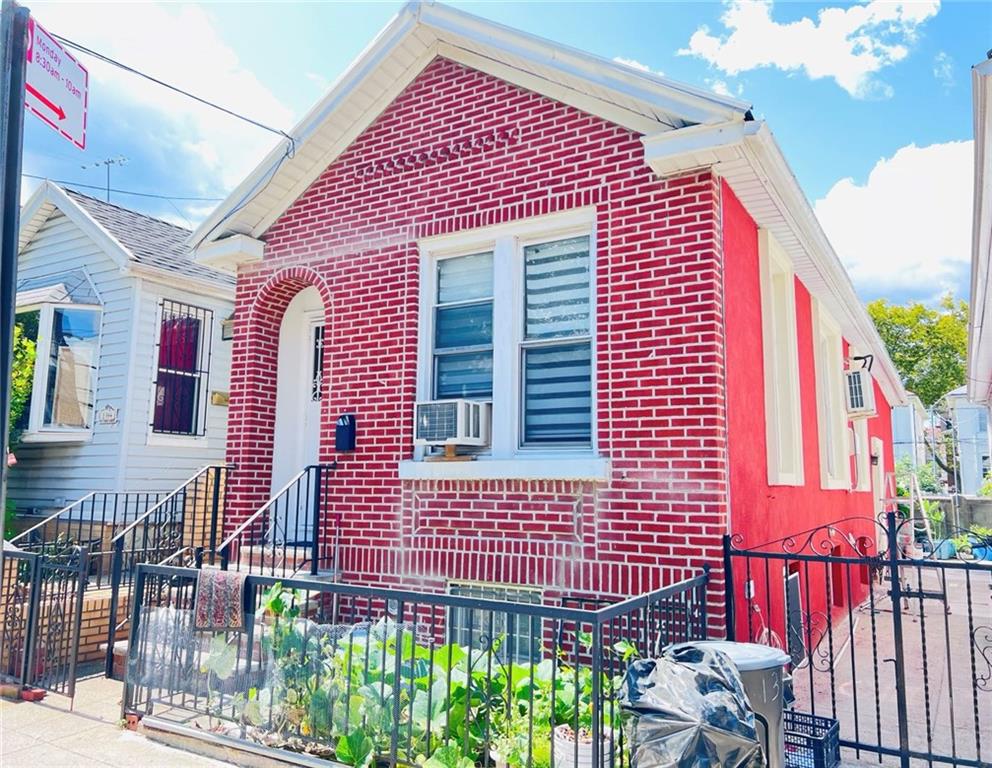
x,y
828,355
507,318
60,400
183,365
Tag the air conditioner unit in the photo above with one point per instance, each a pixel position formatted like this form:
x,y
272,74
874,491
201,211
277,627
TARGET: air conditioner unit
x,y
451,422
860,393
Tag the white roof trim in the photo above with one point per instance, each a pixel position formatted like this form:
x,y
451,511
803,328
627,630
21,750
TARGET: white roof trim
x,y
230,252
749,158
193,284
46,294
39,208
413,38
980,323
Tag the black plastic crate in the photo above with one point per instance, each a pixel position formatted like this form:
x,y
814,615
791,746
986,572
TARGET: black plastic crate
x,y
811,741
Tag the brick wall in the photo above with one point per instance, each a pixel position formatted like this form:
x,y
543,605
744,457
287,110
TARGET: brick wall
x,y
459,150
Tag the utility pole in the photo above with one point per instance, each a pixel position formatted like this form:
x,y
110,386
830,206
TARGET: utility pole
x,y
13,40
120,160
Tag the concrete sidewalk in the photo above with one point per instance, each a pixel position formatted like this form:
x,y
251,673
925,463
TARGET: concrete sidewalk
x,y
47,734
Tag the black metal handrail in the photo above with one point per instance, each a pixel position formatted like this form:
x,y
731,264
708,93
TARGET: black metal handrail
x,y
93,521
284,536
191,516
363,674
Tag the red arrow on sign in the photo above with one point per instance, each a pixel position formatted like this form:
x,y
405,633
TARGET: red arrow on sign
x,y
54,107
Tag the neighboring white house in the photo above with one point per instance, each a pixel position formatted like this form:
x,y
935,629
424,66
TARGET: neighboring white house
x,y
909,423
970,424
131,374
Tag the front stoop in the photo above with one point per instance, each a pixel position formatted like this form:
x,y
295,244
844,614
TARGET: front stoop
x,y
219,747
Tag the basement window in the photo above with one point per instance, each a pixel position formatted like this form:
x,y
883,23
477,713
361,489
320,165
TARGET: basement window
x,y
477,628
181,378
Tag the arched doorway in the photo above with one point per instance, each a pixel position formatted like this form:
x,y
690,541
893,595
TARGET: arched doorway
x,y
299,396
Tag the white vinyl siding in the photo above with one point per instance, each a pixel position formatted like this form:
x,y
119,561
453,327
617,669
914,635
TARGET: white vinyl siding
x,y
783,420
828,353
49,474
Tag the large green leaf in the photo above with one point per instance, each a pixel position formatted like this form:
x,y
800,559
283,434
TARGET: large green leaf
x,y
354,749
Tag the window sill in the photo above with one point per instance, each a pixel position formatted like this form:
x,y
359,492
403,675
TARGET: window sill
x,y
175,441
57,437
519,468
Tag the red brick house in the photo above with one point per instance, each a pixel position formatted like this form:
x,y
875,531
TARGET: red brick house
x,y
623,269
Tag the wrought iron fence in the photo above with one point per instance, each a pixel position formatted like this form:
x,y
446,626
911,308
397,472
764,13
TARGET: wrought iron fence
x,y
362,674
885,636
284,536
92,522
41,603
180,527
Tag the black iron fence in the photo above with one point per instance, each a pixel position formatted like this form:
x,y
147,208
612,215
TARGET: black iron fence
x,y
182,527
92,522
889,630
284,537
41,603
363,674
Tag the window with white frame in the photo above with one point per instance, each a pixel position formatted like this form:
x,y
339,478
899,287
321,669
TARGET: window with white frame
x,y
861,458
783,421
508,316
518,635
828,354
59,402
182,371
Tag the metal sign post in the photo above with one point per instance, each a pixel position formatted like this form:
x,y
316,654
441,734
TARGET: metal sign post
x,y
14,28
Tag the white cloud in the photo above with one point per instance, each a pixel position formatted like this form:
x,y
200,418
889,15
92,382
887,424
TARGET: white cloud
x,y
908,227
943,69
635,64
209,151
847,44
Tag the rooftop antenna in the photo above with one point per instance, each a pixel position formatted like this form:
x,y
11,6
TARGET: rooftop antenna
x,y
119,160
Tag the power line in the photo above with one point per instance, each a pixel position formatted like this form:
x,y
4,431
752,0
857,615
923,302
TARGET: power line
x,y
139,73
126,191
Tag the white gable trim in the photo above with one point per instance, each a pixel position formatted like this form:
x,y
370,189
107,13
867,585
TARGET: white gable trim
x,y
419,32
980,323
39,208
749,158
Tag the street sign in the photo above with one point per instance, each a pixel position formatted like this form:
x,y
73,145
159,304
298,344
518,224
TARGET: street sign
x,y
56,86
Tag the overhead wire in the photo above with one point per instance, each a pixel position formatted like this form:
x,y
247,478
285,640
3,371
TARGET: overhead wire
x,y
157,196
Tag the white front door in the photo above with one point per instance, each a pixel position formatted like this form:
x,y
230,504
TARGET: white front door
x,y
299,394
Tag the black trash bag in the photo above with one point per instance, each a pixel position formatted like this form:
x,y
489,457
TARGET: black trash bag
x,y
688,709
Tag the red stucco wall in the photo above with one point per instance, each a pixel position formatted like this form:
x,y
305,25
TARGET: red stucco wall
x,y
659,350
761,513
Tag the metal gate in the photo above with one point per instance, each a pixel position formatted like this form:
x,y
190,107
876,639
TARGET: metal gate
x,y
41,607
886,638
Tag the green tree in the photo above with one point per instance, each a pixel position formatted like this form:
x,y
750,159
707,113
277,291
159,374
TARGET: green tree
x,y
21,378
927,345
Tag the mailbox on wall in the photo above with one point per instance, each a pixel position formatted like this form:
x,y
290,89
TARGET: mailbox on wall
x,y
344,433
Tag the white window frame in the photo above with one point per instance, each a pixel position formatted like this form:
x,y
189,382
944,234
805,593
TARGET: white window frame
x,y
169,439
832,421
507,243
783,418
37,431
861,450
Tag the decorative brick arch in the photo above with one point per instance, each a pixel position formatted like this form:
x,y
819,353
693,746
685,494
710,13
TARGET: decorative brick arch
x,y
252,416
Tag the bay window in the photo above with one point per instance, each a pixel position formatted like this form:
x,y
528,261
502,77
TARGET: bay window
x,y
507,318
63,386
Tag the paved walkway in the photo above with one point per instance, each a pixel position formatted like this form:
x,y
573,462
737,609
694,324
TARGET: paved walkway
x,y
47,734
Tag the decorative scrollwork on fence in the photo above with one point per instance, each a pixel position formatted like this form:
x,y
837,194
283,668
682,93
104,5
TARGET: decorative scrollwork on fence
x,y
982,638
821,540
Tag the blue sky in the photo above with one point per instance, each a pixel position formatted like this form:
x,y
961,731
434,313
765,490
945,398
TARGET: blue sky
x,y
871,102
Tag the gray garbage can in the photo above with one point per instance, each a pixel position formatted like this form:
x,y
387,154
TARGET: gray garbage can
x,y
760,667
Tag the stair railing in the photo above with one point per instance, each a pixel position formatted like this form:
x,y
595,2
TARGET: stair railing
x,y
188,518
284,536
92,521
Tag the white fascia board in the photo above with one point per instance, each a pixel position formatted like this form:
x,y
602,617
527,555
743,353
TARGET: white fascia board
x,y
398,27
52,194
693,105
674,151
195,285
980,322
229,253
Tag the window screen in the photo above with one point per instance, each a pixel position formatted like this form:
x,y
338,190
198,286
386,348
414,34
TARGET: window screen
x,y
463,327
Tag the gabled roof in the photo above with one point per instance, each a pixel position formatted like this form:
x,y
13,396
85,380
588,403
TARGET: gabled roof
x,y
638,100
980,323
130,238
683,128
